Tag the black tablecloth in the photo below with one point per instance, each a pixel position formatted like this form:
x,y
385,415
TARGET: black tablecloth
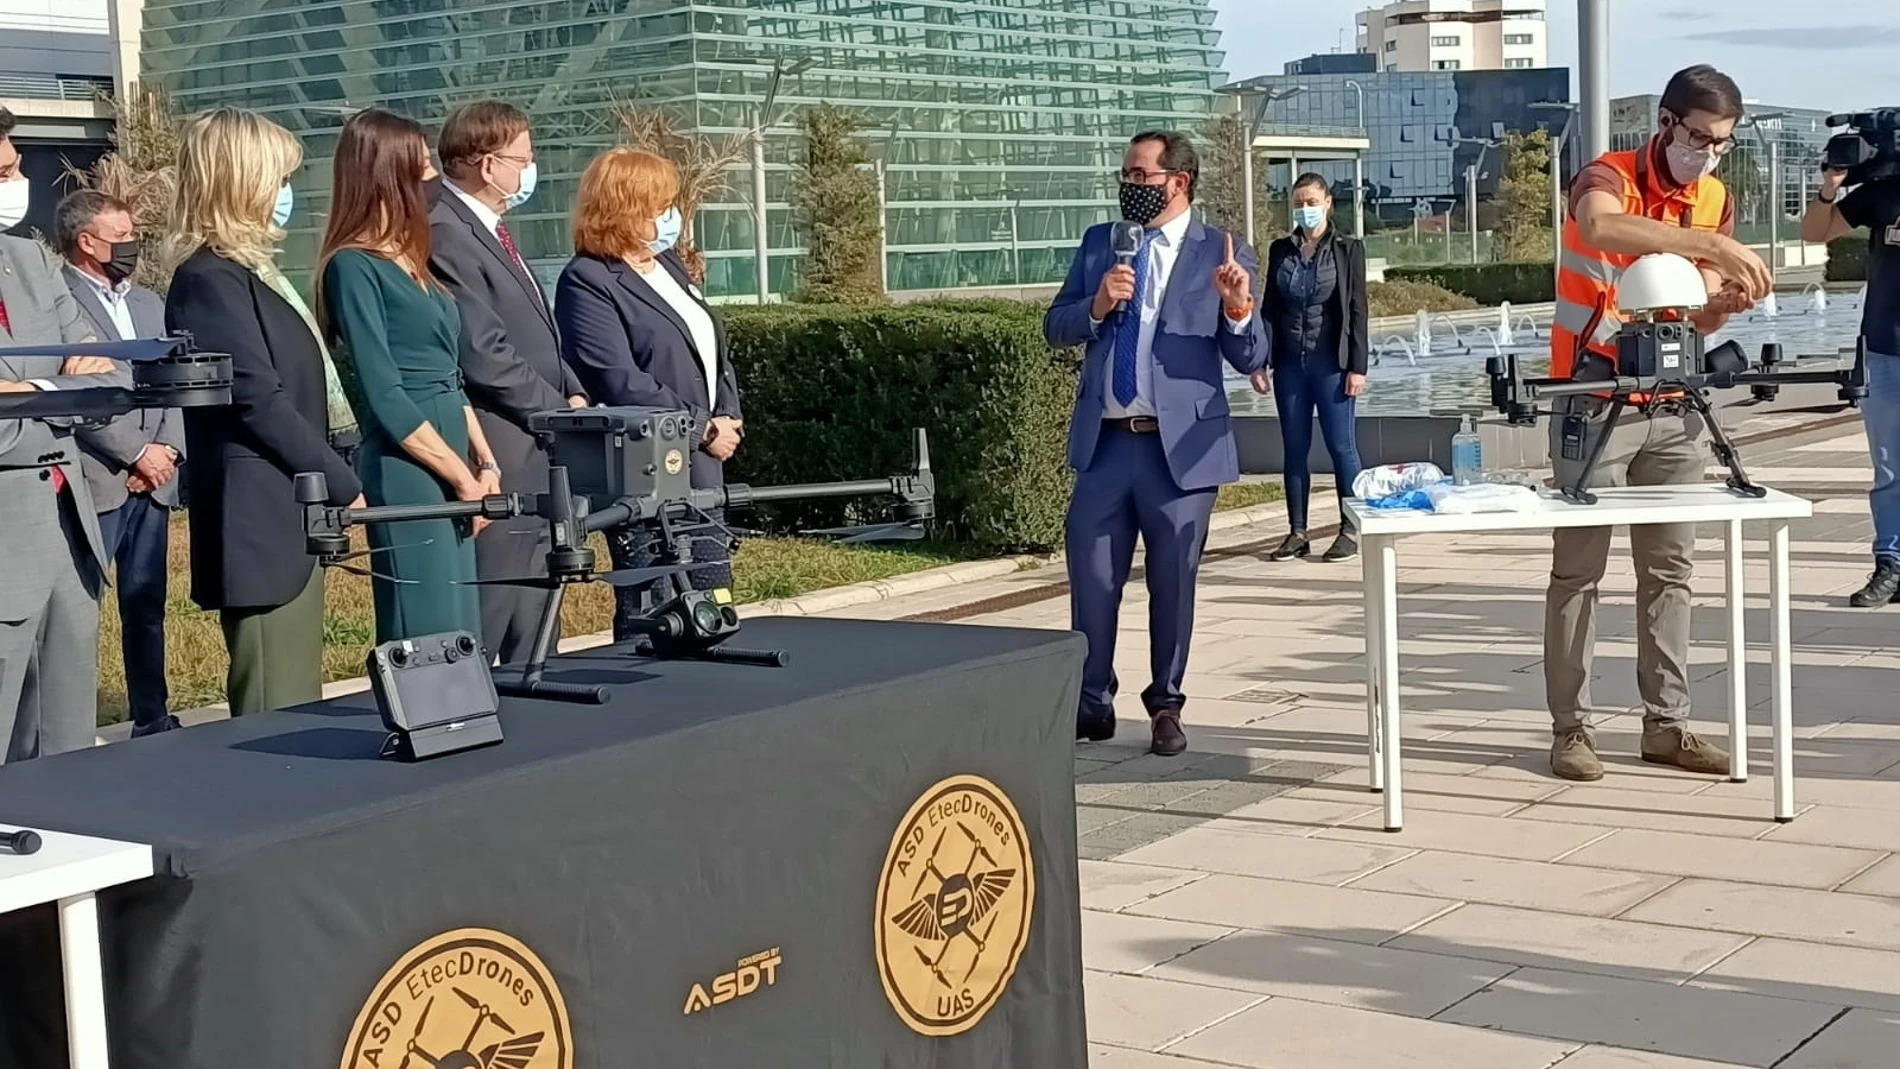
x,y
817,865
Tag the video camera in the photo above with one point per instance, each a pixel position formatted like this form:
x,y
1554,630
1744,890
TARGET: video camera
x,y
1870,149
630,467
167,372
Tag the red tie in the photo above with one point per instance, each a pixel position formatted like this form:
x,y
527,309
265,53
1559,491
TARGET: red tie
x,y
59,477
508,243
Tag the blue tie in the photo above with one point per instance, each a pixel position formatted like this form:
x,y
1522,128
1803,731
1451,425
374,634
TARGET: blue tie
x,y
1128,336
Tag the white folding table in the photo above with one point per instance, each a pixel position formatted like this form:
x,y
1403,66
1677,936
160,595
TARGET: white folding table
x,y
1380,532
68,870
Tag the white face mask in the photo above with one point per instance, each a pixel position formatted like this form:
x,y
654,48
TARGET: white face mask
x,y
15,195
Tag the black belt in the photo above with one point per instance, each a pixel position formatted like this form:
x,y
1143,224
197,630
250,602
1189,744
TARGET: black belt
x,y
1134,424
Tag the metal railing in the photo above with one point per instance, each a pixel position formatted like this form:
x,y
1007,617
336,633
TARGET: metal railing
x,y
53,87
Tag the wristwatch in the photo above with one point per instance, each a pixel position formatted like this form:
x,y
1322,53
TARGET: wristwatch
x,y
490,466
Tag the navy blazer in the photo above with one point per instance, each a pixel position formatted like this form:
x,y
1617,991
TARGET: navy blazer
x,y
1191,341
628,347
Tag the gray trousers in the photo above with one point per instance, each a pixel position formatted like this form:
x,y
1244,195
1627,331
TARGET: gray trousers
x,y
1660,448
49,631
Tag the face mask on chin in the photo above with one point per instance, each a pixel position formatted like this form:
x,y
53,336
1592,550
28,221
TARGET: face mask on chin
x,y
1142,203
15,196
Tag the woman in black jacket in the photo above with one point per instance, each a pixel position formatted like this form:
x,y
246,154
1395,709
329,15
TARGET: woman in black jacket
x,y
1316,308
287,413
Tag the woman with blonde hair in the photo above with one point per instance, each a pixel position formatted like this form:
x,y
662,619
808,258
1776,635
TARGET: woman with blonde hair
x,y
398,331
637,331
287,413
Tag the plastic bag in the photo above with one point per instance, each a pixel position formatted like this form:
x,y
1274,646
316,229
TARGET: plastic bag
x,y
1413,500
1391,480
1480,497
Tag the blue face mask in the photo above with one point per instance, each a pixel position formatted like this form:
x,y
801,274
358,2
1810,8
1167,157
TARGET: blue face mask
x,y
1309,217
281,213
667,228
529,175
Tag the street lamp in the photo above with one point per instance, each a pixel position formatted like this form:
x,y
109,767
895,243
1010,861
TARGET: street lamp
x,y
1557,145
1265,95
1471,186
762,116
1359,167
1754,122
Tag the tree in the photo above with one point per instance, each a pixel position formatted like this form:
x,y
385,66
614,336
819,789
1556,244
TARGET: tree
x,y
142,171
704,164
1524,200
1220,194
1745,173
835,208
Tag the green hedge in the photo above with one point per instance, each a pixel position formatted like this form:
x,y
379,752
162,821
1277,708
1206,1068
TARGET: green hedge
x,y
833,392
1488,284
1847,258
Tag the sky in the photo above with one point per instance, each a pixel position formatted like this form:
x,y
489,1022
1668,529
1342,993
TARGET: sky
x,y
1784,53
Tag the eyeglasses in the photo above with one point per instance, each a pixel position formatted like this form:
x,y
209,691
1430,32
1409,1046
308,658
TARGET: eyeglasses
x,y
1145,178
516,160
1702,139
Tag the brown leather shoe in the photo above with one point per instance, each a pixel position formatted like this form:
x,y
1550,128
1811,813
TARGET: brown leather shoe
x,y
1674,744
1574,757
1169,740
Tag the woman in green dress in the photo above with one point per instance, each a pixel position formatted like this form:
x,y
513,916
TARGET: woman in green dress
x,y
397,332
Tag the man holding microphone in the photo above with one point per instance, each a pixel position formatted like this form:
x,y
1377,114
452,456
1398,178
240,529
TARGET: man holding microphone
x,y
1159,302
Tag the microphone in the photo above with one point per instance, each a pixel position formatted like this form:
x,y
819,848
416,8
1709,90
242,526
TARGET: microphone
x,y
1125,238
20,842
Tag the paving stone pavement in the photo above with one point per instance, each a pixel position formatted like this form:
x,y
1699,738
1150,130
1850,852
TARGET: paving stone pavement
x,y
1243,908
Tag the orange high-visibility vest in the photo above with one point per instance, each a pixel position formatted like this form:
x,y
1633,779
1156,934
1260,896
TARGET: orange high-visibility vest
x,y
1586,277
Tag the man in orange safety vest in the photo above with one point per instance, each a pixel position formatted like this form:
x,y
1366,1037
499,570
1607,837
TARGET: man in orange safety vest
x,y
1661,198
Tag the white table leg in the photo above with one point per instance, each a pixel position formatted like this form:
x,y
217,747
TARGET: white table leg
x,y
1782,658
1736,586
1386,551
85,982
1370,587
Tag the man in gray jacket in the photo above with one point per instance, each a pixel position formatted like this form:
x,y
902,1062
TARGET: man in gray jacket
x,y
55,567
133,466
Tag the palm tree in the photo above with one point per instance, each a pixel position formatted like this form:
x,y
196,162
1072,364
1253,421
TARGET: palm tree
x,y
142,171
705,164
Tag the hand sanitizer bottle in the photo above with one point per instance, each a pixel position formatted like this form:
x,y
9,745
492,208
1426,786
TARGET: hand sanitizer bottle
x,y
1467,455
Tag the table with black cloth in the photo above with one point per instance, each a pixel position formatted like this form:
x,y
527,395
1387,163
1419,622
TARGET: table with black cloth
x,y
864,860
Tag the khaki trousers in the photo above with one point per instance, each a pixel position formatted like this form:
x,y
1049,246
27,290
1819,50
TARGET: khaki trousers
x,y
276,654
1662,447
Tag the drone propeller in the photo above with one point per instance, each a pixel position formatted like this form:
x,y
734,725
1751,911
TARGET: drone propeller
x,y
875,532
343,563
643,576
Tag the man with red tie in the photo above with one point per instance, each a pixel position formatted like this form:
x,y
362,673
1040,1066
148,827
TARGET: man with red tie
x,y
510,358
55,566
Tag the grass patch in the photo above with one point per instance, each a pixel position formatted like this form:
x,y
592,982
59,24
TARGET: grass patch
x,y
766,569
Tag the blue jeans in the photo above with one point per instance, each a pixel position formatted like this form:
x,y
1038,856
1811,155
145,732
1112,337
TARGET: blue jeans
x,y
1880,412
1301,387
137,538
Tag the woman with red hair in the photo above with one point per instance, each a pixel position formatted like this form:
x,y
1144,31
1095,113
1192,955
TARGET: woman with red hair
x,y
398,333
637,331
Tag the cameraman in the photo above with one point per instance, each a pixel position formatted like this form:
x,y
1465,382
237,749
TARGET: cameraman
x,y
1662,198
1876,206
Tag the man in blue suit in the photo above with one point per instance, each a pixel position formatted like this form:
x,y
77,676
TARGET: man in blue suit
x,y
1151,442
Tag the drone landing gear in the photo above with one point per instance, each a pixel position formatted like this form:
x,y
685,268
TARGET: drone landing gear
x,y
532,684
1578,491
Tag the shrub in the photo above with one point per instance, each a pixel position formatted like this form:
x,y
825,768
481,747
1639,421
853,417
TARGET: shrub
x,y
1847,258
1406,296
1487,284
833,393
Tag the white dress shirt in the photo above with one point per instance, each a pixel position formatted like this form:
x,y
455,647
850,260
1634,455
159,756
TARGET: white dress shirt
x,y
112,297
1163,250
482,211
698,322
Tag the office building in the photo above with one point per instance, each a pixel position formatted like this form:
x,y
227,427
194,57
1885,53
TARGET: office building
x,y
1425,128
56,73
1456,35
1001,127
1790,138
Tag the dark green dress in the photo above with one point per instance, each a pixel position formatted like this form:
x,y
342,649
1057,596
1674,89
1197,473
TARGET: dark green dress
x,y
398,353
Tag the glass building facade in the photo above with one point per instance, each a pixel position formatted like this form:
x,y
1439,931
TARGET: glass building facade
x,y
1421,125
1001,124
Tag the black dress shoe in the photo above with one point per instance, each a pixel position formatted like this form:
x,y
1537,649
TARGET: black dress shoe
x,y
164,723
1295,545
1169,739
1094,727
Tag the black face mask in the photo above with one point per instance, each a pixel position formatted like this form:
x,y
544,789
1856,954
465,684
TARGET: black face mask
x,y
125,260
1143,204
